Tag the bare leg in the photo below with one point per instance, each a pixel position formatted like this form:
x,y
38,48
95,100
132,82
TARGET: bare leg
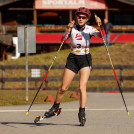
x,y
84,75
66,80
68,76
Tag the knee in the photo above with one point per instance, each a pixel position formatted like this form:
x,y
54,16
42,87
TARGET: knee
x,y
62,90
82,88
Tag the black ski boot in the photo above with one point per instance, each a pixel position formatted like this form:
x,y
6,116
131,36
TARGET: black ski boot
x,y
54,111
81,116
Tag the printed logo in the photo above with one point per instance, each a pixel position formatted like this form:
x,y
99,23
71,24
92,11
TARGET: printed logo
x,y
86,50
78,36
94,29
77,51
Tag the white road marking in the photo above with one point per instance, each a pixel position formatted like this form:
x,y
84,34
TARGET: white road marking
x,y
65,110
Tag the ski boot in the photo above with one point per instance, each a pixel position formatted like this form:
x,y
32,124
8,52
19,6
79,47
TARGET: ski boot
x,y
81,116
54,111
48,115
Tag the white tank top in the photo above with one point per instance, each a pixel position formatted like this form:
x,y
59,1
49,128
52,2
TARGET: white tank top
x,y
80,40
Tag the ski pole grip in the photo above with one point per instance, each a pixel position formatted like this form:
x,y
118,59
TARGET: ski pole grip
x,y
96,17
73,21
73,24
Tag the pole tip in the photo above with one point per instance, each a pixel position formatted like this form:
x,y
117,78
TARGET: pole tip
x,y
26,113
128,113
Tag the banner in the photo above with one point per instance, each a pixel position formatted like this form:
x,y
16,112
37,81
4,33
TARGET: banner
x,y
69,4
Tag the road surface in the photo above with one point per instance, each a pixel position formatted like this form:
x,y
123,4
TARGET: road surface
x,y
105,113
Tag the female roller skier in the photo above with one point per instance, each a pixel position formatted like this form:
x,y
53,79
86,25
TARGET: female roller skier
x,y
79,60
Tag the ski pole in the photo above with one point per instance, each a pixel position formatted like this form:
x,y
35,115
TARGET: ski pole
x,y
49,68
120,89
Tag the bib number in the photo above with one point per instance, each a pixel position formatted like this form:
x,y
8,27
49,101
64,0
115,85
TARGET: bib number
x,y
78,46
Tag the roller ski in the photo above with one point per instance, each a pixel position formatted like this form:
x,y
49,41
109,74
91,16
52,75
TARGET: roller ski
x,y
81,116
54,111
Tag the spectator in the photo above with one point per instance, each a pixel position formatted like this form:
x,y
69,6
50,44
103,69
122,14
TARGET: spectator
x,y
107,27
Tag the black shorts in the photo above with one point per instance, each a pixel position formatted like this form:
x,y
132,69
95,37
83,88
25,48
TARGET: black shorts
x,y
76,62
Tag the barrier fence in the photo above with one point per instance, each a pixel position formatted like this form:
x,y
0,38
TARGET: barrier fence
x,y
121,77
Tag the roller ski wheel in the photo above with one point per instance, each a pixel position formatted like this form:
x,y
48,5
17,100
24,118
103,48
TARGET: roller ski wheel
x,y
82,122
39,118
82,119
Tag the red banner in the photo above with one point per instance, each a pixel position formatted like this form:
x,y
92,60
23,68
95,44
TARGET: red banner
x,y
69,4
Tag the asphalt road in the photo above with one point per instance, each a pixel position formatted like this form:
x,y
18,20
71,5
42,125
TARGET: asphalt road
x,y
105,114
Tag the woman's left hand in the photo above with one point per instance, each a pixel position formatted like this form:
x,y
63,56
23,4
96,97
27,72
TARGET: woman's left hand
x,y
98,20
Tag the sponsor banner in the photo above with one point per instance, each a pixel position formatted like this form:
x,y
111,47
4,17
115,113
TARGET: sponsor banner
x,y
69,4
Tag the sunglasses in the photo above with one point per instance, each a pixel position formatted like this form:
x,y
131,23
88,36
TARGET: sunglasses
x,y
81,17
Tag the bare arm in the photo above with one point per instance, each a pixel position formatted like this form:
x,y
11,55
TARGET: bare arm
x,y
67,32
97,33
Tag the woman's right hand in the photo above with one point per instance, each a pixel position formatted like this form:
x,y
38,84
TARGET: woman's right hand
x,y
70,25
